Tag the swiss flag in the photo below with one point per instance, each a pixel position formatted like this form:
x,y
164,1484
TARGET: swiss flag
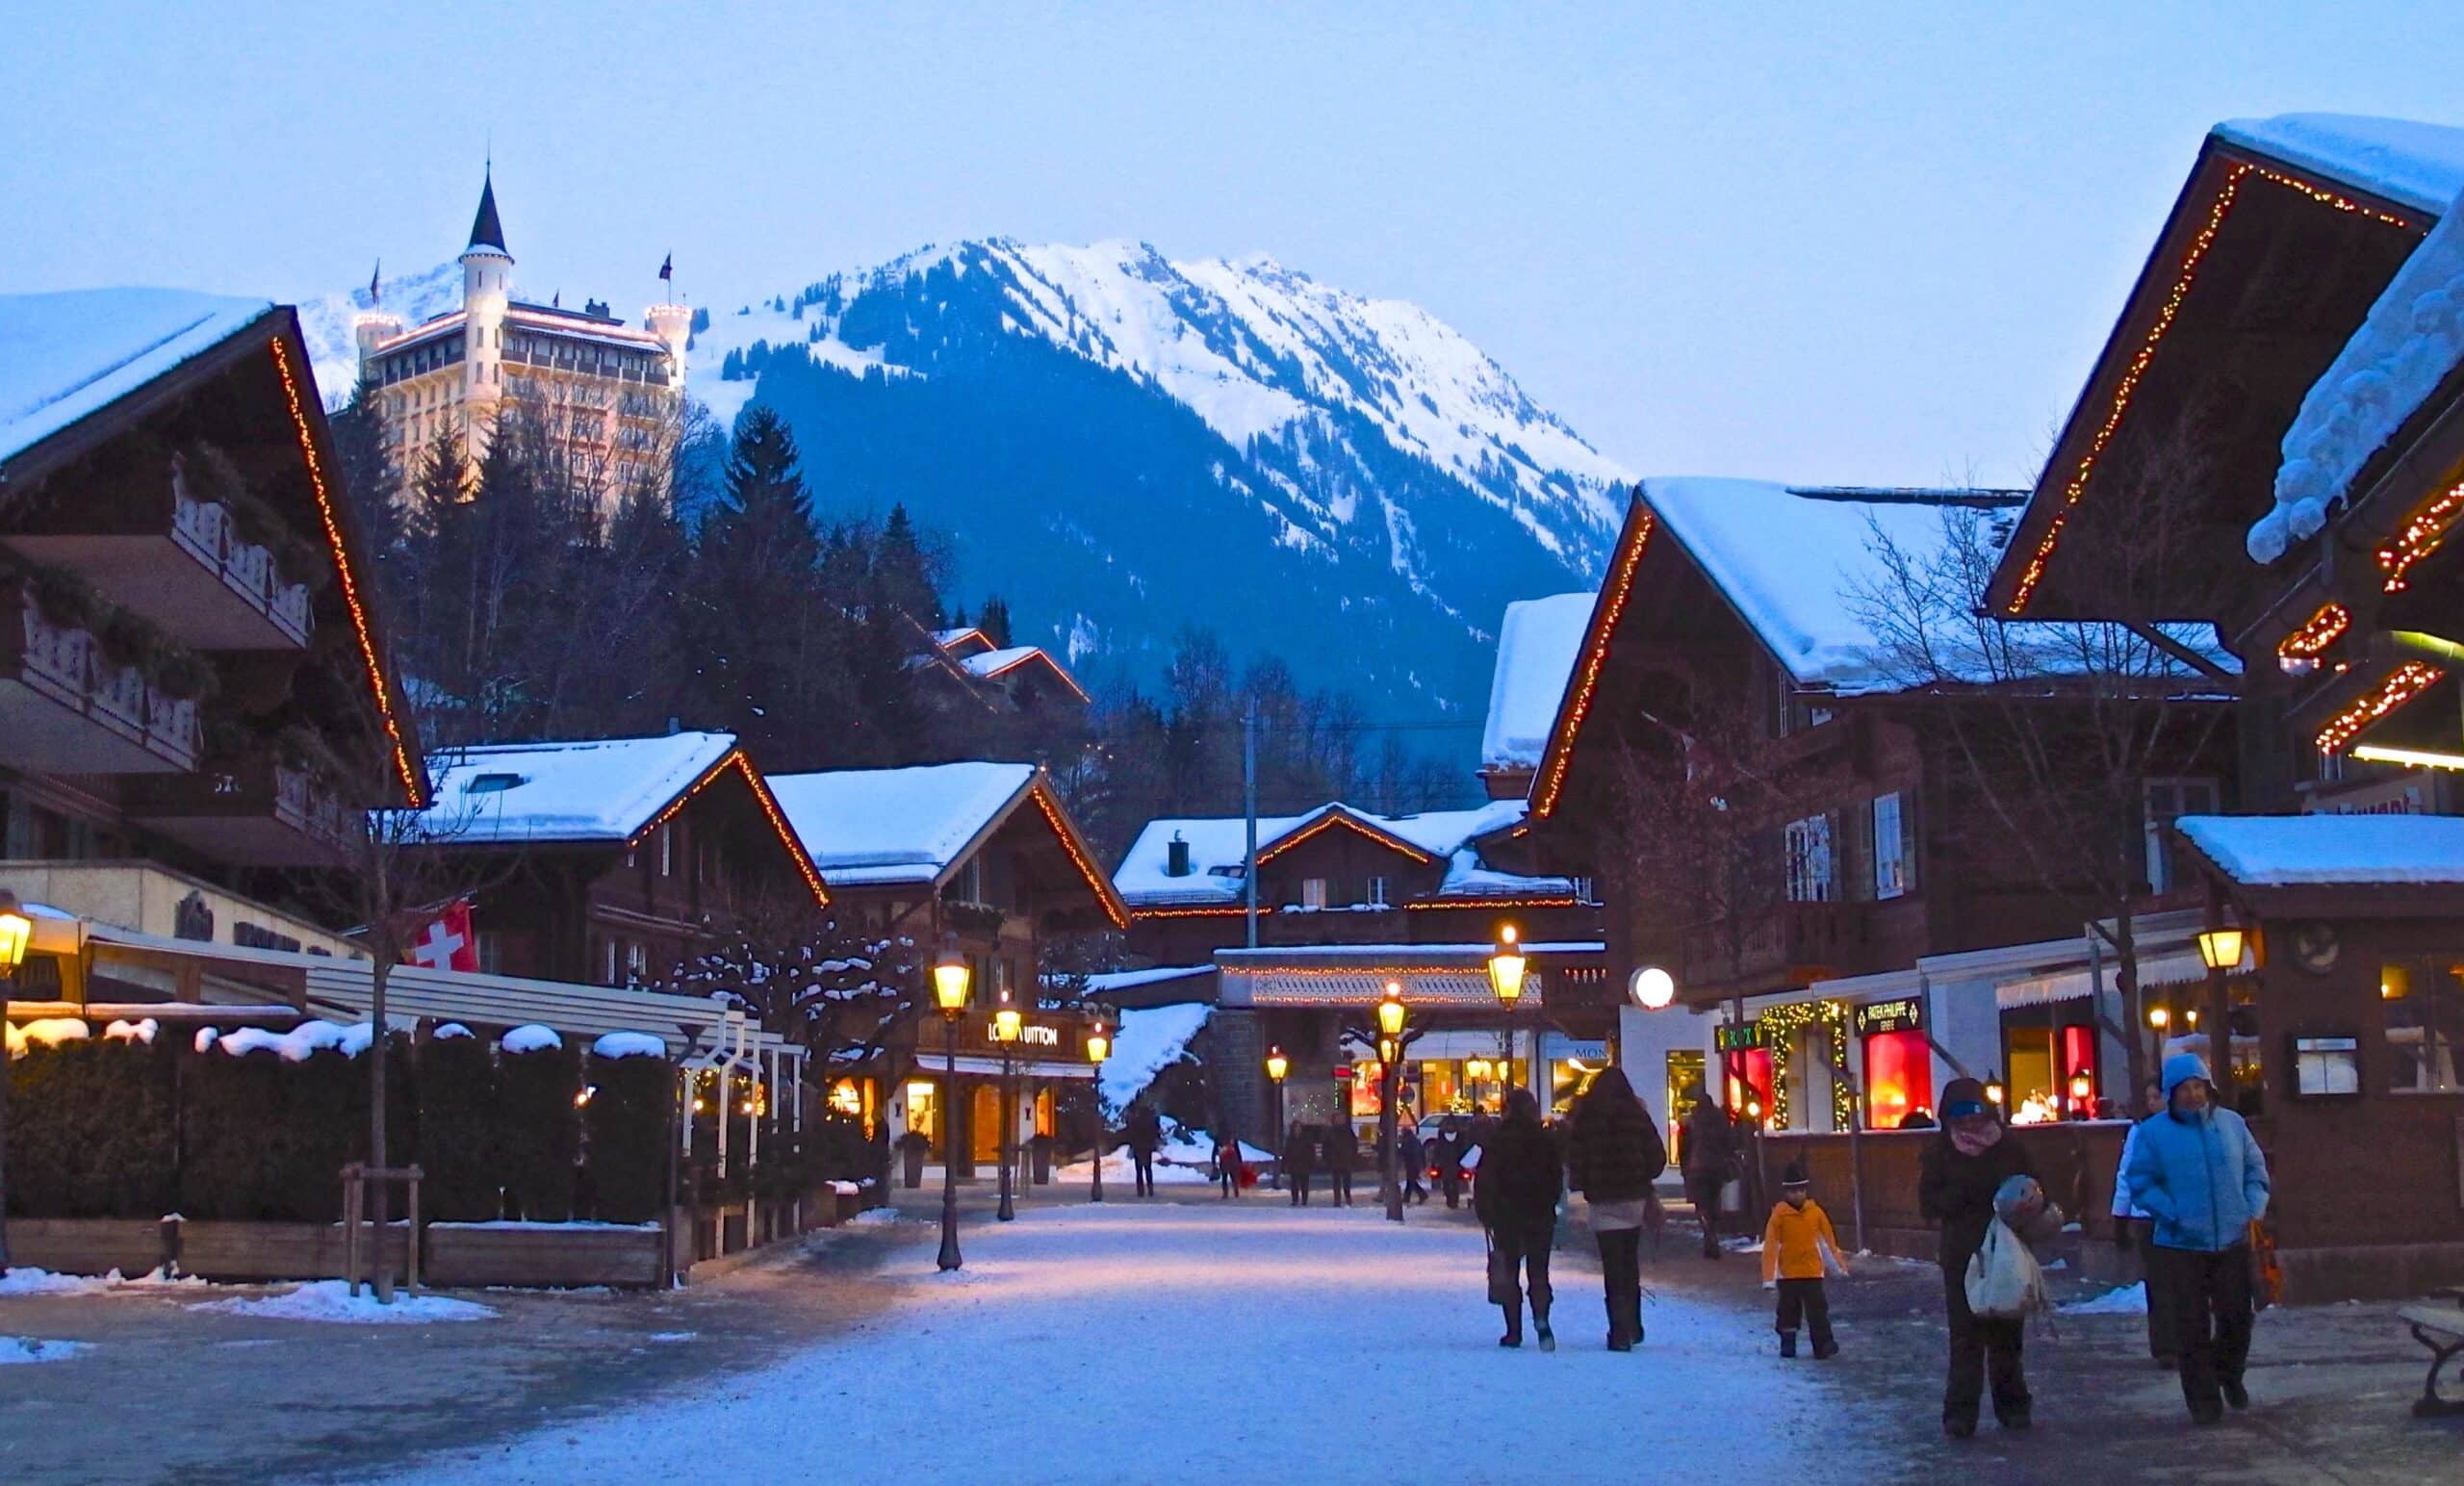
x,y
446,942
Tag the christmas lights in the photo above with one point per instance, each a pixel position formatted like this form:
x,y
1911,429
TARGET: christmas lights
x,y
2424,532
1339,818
1114,909
2402,685
1560,901
761,796
1029,658
1779,1024
2323,629
1595,657
1196,913
2127,386
347,580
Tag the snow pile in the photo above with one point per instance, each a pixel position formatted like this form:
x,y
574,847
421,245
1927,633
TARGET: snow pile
x,y
872,1216
1145,1044
629,1044
1538,642
450,1030
874,826
2129,1300
65,356
18,1349
331,1300
24,1281
2287,850
46,1032
531,1037
142,1031
2410,342
294,1046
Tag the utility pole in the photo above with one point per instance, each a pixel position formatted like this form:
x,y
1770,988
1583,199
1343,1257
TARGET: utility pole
x,y
1249,809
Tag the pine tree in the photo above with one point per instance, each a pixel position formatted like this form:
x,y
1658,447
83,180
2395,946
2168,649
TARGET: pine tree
x,y
994,622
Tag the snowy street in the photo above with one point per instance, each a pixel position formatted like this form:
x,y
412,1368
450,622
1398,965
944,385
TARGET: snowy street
x,y
1190,1343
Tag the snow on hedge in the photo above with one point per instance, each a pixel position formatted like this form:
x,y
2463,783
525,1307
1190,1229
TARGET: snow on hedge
x,y
331,1300
47,1031
2409,342
139,1031
449,1030
1146,1043
296,1045
629,1044
531,1037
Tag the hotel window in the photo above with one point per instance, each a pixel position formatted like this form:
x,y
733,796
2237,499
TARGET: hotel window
x,y
2167,801
1377,893
607,970
638,963
1808,848
1890,848
1313,892
2422,1005
667,851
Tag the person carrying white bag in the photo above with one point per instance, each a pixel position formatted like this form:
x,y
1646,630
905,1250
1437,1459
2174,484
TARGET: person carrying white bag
x,y
1964,1166
2004,1282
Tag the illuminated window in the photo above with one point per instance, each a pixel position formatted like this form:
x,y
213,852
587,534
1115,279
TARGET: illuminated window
x,y
1891,849
2421,1005
1313,892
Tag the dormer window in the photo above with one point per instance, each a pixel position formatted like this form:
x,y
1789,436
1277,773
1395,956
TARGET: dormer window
x,y
492,784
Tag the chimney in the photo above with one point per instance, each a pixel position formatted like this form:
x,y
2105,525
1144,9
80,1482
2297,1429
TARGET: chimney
x,y
1176,857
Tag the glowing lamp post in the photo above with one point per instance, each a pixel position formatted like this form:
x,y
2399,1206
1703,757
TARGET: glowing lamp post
x,y
1277,1066
1005,1031
1994,1092
2220,949
2083,1089
1098,1048
951,976
15,930
1392,1017
1654,989
1507,963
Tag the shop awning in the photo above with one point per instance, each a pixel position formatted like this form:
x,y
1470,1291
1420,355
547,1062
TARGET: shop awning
x,y
2078,985
990,1067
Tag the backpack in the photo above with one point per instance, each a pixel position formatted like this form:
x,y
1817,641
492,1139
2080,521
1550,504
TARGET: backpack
x,y
2004,1281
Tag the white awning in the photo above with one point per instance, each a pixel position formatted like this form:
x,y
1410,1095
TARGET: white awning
x,y
928,1066
2077,986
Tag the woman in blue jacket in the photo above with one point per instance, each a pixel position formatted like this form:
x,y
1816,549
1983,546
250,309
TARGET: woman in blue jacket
x,y
2197,1173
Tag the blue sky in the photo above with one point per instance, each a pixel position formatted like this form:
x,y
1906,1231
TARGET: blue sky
x,y
1848,243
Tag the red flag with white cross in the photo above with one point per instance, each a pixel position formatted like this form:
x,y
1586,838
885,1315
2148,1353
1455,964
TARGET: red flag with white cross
x,y
446,942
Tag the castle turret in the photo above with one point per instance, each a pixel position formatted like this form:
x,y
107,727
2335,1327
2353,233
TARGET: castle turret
x,y
374,326
487,282
672,323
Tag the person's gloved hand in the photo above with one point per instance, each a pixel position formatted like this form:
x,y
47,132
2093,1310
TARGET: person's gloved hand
x,y
1770,1284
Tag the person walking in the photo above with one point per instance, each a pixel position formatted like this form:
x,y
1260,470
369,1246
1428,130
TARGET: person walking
x,y
2201,1177
1227,1165
1964,1164
1411,1154
1708,1160
1300,1161
1798,1246
1449,1161
1614,1153
1143,1136
2135,1229
1514,1194
1342,1153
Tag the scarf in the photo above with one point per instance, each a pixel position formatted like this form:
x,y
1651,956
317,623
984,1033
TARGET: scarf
x,y
1979,1142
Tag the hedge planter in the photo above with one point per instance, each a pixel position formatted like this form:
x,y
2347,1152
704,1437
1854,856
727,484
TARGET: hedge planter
x,y
90,1245
557,1255
281,1251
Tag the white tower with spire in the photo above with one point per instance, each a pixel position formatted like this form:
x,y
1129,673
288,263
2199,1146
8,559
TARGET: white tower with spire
x,y
487,285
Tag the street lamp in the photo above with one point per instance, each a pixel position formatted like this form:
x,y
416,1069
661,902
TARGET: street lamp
x,y
1654,989
2220,948
1005,1031
15,928
2159,1017
1098,1048
2082,1090
1392,1018
951,976
1277,1066
1507,963
1994,1092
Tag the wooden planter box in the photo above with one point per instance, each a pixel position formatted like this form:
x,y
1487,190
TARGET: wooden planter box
x,y
88,1246
281,1251
558,1255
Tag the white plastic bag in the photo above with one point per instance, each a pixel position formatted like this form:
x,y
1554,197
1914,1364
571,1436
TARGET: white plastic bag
x,y
2004,1281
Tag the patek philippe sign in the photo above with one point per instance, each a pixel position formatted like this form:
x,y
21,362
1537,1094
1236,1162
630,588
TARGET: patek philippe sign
x,y
1906,1013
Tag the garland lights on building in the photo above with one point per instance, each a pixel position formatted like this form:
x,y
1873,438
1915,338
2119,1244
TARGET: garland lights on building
x,y
2422,533
1778,1025
736,761
2402,685
2322,630
361,629
2127,387
1114,909
1595,658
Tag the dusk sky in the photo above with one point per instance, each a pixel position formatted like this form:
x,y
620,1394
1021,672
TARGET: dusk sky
x,y
1852,247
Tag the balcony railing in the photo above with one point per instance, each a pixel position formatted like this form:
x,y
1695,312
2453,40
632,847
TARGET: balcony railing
x,y
206,531
65,706
251,809
1786,941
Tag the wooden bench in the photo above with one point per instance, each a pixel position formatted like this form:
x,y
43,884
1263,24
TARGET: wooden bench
x,y
2441,1330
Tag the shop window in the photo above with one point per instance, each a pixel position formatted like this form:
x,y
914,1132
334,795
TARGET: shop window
x,y
1891,849
1899,1078
924,1112
2422,1005
2167,801
1685,1069
1809,849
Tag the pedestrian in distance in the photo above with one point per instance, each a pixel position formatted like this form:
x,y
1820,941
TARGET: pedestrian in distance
x,y
2135,1229
1411,1153
1449,1161
1342,1146
1964,1164
1300,1161
1798,1246
1708,1160
2201,1176
1514,1194
1614,1153
1143,1136
1227,1165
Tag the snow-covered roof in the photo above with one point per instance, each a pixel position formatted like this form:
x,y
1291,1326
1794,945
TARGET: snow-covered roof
x,y
871,827
1145,1044
65,356
1218,848
1795,564
2410,342
606,790
2405,160
2322,851
989,663
1537,644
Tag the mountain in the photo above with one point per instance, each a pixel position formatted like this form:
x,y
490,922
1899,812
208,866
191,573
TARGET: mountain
x,y
1123,445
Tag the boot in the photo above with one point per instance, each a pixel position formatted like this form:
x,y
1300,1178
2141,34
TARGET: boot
x,y
1514,1326
1788,1344
1540,1326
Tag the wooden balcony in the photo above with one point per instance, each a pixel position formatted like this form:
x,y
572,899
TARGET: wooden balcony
x,y
65,707
185,566
251,809
1787,945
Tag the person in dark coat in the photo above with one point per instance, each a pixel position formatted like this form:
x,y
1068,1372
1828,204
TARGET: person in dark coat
x,y
1227,1165
1300,1161
1514,1194
1342,1153
1143,1134
1614,1153
1708,1161
1448,1158
1411,1154
1965,1164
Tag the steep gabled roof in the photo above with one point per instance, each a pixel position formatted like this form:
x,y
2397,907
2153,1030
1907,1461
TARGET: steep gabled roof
x,y
66,356
1219,847
486,232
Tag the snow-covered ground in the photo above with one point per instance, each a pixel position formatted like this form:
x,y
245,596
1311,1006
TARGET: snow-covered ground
x,y
1170,1342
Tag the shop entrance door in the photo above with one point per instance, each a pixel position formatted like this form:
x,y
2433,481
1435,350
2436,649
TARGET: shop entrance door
x,y
986,1109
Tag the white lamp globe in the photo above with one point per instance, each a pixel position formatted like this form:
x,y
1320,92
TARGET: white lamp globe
x,y
1653,989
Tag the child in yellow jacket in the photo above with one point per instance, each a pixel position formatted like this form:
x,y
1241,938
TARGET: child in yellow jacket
x,y
1798,1245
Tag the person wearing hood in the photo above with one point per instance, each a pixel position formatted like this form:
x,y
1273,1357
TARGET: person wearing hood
x,y
1514,1194
2200,1177
1615,1153
1964,1164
